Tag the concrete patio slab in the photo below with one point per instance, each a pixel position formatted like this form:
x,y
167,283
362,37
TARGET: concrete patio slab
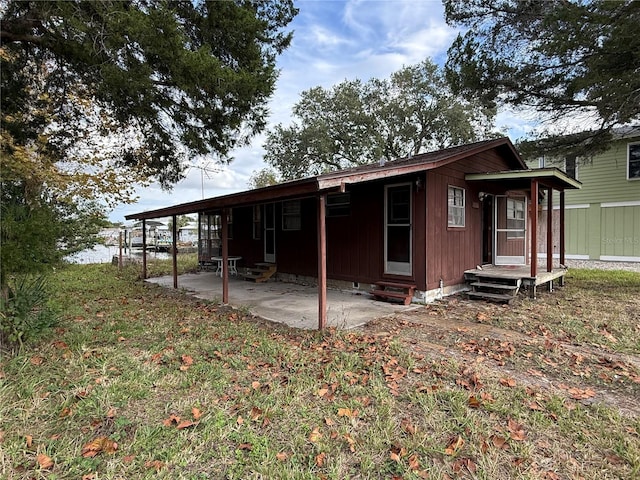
x,y
288,303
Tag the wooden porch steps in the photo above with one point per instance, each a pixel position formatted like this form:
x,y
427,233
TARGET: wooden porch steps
x,y
393,291
490,287
260,272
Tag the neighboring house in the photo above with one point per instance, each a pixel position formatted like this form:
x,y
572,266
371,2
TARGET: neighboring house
x,y
603,217
421,221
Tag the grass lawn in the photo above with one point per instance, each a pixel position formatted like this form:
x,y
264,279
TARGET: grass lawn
x,y
141,382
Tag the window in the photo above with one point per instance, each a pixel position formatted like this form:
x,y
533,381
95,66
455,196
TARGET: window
x,y
456,207
571,167
291,219
257,223
338,205
515,218
633,162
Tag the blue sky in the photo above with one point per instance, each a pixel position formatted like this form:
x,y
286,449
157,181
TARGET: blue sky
x,y
333,41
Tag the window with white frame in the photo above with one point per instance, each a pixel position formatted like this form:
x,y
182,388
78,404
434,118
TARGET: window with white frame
x,y
291,219
633,161
515,218
456,202
571,167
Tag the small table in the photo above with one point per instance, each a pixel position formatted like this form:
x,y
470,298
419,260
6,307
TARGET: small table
x,y
231,262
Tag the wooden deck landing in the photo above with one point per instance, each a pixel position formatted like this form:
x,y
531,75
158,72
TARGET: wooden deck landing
x,y
522,273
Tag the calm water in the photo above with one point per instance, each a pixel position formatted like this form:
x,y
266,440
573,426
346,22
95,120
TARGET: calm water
x,y
104,254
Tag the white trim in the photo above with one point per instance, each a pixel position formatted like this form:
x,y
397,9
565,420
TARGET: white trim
x,y
569,207
390,267
616,258
633,203
512,260
462,207
630,179
568,256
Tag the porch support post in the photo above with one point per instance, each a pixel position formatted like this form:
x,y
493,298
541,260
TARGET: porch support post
x,y
225,256
550,230
144,248
534,228
174,250
322,263
562,239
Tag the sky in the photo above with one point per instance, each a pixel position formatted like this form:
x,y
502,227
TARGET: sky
x,y
333,41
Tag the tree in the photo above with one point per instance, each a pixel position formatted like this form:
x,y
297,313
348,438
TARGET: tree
x,y
575,63
263,178
356,123
152,83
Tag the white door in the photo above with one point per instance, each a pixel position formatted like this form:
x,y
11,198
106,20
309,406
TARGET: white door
x,y
397,230
270,233
510,230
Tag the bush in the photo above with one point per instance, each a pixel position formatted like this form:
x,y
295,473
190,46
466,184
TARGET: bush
x,y
25,311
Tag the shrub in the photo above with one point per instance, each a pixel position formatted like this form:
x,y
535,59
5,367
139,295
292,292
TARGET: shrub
x,y
24,310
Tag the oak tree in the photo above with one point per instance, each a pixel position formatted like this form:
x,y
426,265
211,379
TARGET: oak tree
x,y
356,123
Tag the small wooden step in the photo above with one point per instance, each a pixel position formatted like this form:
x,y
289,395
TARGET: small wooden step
x,y
385,290
500,286
261,272
500,297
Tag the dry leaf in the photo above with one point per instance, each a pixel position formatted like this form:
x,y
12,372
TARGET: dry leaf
x,y
474,402
455,444
508,382
282,456
245,446
167,422
44,461
320,459
29,440
255,385
155,464
329,422
240,420
407,426
36,360
516,431
315,435
89,476
98,445
185,424
66,411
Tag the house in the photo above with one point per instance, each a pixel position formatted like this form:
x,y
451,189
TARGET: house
x,y
603,217
419,223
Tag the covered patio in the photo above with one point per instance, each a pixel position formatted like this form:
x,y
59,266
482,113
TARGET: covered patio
x,y
292,304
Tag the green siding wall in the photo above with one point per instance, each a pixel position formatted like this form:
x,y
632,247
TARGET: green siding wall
x,y
604,178
621,231
609,232
576,231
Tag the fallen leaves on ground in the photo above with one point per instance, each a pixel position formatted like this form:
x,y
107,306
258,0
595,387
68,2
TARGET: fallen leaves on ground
x,y
99,445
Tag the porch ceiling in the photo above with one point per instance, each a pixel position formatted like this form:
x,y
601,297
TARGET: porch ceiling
x,y
521,179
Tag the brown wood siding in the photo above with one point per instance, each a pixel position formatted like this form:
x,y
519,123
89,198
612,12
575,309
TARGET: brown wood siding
x,y
297,250
355,242
452,250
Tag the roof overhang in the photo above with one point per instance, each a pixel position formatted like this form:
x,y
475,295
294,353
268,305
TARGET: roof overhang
x,y
521,179
337,181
